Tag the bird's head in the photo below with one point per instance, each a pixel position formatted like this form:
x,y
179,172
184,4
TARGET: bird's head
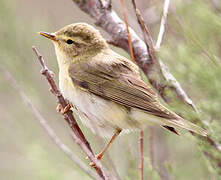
x,y
76,40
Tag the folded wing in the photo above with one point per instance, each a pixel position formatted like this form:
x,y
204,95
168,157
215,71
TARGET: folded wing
x,y
117,82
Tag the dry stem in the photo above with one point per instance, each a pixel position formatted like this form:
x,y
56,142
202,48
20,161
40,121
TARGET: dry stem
x,y
151,147
162,24
77,133
128,31
141,156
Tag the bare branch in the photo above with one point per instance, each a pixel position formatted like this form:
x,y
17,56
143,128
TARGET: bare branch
x,y
172,82
162,24
69,118
8,76
141,156
90,155
146,33
151,147
175,83
128,31
109,4
102,3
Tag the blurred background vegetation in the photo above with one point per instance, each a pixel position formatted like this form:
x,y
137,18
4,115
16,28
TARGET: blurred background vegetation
x,y
191,48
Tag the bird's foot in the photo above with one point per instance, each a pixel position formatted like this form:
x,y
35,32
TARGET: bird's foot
x,y
52,74
62,110
98,157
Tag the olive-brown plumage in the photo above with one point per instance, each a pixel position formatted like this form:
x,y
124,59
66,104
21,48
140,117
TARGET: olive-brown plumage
x,y
105,88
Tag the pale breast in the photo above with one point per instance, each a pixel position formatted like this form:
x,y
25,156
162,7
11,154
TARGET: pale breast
x,y
100,115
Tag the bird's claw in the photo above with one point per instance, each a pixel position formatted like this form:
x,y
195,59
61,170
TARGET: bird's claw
x,y
62,110
52,74
98,157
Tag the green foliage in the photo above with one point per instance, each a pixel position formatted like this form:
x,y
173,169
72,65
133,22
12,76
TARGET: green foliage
x,y
196,58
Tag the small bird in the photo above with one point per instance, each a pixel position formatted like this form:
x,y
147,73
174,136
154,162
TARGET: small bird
x,y
105,88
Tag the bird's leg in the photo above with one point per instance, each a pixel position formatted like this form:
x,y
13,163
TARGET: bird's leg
x,y
62,110
100,155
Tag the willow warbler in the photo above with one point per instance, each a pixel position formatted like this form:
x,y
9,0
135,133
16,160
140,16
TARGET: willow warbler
x,y
105,88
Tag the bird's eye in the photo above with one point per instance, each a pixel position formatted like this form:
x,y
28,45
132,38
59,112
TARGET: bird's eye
x,y
69,41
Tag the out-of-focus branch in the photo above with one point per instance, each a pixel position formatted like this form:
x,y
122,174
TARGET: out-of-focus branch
x,y
8,76
162,24
151,146
68,116
159,65
157,73
128,31
215,4
162,156
141,156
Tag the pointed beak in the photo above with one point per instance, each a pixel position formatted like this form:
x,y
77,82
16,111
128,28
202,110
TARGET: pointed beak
x,y
50,36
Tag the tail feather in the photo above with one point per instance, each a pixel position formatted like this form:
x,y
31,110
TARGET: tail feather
x,y
171,129
182,123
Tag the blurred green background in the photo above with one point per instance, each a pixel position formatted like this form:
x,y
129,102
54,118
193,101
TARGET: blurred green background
x,y
191,48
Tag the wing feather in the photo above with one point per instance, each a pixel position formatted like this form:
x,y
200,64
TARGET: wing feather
x,y
120,83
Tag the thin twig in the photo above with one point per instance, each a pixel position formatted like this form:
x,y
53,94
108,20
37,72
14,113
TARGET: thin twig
x,y
109,4
78,135
162,24
14,84
141,156
151,147
69,116
102,4
98,166
128,31
146,34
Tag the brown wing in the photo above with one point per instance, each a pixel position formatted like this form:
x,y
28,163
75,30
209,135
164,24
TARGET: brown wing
x,y
118,83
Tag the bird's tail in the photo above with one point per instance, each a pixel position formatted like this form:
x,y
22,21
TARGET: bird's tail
x,y
182,123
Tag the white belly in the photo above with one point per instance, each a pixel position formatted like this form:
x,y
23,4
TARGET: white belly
x,y
100,115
